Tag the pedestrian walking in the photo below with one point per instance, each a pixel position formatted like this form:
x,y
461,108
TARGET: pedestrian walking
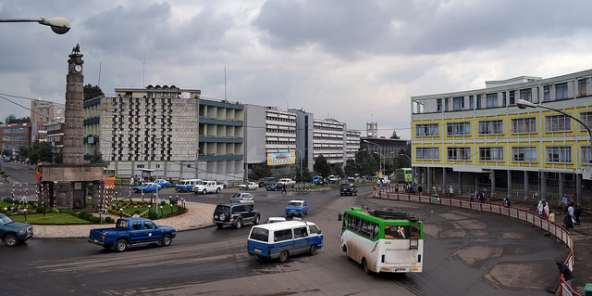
x,y
397,188
565,271
564,202
472,196
447,191
131,181
571,210
545,209
451,191
572,199
551,217
567,222
577,213
419,189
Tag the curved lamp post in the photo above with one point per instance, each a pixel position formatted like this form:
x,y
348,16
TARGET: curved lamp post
x,y
379,153
59,25
523,104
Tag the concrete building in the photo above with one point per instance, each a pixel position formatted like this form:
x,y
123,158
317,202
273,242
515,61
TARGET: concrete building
x,y
479,140
16,135
270,130
221,146
46,111
388,149
329,138
55,135
153,129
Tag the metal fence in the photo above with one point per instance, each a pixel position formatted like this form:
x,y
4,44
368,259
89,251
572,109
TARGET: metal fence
x,y
520,214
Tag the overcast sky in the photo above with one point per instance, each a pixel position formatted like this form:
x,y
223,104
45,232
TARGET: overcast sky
x,y
354,61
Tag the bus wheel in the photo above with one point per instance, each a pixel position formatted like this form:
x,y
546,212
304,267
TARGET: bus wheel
x,y
283,256
313,250
365,265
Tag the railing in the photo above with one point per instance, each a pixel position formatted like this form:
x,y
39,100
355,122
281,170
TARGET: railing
x,y
520,214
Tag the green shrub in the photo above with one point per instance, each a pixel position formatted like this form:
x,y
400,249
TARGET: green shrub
x,y
8,200
108,220
94,220
40,210
153,216
85,216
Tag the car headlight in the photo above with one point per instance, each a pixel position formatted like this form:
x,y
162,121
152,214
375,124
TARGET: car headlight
x,y
22,231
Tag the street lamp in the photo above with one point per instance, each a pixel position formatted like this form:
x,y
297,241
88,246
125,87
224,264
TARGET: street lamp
x,y
523,104
59,25
380,155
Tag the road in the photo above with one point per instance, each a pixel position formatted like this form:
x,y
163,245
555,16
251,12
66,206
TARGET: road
x,y
466,253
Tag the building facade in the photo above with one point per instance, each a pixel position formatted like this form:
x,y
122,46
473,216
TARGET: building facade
x,y
329,136
220,137
154,129
16,135
46,111
480,140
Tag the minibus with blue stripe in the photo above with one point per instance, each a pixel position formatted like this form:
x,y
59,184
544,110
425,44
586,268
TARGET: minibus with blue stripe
x,y
284,239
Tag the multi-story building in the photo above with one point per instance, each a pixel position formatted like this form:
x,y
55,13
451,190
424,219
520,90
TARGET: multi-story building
x,y
329,138
387,149
270,130
55,135
15,135
480,140
46,111
220,140
153,129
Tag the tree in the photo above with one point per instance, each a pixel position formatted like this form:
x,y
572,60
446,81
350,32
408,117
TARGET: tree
x,y
91,92
339,170
351,167
12,119
321,166
259,171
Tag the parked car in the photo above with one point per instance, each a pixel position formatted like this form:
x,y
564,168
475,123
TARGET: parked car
x,y
12,233
163,183
132,231
235,214
147,187
296,208
334,179
287,182
348,189
275,220
274,187
242,197
248,186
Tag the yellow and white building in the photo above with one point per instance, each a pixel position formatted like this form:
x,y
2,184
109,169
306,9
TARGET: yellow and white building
x,y
481,141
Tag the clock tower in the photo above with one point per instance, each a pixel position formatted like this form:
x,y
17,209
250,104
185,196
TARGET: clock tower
x,y
73,151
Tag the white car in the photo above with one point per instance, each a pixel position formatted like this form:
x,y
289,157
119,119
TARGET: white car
x,y
242,197
275,220
287,182
248,186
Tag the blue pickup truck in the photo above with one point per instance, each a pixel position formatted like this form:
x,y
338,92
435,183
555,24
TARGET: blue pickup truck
x,y
132,231
12,233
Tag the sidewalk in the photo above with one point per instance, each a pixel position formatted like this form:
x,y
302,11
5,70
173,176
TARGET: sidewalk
x,y
198,215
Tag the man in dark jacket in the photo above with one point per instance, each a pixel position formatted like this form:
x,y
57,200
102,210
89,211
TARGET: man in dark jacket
x,y
565,271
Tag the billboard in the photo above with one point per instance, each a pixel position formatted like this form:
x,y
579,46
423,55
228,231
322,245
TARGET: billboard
x,y
281,158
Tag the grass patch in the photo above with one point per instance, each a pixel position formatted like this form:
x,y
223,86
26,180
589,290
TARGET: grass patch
x,y
49,219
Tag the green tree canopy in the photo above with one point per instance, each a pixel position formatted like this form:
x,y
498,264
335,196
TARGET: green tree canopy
x,y
13,119
322,167
92,91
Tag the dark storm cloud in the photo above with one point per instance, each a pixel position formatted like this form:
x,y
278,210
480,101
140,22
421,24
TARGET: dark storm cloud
x,y
349,28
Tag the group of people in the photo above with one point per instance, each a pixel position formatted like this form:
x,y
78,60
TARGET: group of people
x,y
572,216
481,196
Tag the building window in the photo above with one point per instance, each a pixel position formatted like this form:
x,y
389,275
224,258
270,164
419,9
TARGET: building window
x,y
582,87
524,154
546,93
478,101
526,94
458,129
471,102
427,153
558,154
512,97
557,123
491,100
439,102
491,127
586,155
561,91
458,103
524,125
491,154
586,117
427,130
140,166
459,153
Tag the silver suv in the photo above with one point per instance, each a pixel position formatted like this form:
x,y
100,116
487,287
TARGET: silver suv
x,y
242,197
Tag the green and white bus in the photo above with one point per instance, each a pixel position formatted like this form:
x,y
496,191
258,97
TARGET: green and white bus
x,y
403,175
383,240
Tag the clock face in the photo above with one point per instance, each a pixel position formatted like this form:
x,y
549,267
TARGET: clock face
x,y
78,68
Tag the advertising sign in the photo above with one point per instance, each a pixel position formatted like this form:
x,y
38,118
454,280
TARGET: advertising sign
x,y
281,158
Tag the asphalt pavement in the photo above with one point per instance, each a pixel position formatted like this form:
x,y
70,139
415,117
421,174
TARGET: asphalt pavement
x,y
199,215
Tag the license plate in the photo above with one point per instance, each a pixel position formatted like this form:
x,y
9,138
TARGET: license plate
x,y
257,250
